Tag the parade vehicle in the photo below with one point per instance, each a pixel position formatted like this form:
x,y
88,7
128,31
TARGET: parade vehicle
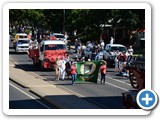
x,y
18,36
108,54
45,53
22,45
136,67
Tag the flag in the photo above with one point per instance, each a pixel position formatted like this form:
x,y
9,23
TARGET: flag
x,y
87,71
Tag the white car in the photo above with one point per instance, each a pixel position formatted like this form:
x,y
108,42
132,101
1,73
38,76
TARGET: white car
x,y
60,36
22,45
108,53
19,36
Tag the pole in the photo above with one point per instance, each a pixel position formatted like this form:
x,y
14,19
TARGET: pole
x,y
114,34
63,21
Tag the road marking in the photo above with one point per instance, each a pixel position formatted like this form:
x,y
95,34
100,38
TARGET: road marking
x,y
115,86
117,80
82,95
30,96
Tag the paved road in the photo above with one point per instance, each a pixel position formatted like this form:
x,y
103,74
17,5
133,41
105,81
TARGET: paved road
x,y
107,96
21,98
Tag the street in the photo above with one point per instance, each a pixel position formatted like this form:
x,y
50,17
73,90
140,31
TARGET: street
x,y
107,96
21,98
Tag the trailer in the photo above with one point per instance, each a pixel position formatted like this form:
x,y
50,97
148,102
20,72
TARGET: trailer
x,y
136,67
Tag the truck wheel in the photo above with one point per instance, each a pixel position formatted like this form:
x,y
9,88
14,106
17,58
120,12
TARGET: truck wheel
x,y
34,61
42,65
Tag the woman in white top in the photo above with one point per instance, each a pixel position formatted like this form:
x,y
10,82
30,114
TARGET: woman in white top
x,y
58,68
63,67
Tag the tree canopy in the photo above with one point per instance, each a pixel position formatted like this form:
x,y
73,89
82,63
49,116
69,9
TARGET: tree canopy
x,y
85,21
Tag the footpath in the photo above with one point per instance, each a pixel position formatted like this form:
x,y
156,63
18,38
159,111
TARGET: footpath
x,y
47,91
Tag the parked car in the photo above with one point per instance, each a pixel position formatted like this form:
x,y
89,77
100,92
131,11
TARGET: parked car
x,y
108,54
22,45
19,36
60,36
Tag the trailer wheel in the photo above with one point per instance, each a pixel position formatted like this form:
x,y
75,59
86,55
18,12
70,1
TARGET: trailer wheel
x,y
133,80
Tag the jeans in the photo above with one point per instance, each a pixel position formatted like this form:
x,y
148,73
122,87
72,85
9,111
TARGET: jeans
x,y
73,78
103,78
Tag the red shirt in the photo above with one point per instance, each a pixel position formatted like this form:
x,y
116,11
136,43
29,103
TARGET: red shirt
x,y
73,69
103,69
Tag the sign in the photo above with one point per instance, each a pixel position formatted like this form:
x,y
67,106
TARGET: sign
x,y
87,71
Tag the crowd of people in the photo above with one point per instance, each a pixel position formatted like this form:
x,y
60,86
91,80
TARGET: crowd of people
x,y
93,48
63,66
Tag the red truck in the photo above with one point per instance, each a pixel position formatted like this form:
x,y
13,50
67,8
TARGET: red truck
x,y
46,53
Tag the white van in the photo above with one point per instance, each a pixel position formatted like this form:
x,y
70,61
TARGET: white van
x,y
22,45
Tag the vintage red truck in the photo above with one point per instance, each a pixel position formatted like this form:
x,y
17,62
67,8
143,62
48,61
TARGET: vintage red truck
x,y
46,52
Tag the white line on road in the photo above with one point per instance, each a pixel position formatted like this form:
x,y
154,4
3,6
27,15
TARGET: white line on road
x,y
115,86
29,96
117,80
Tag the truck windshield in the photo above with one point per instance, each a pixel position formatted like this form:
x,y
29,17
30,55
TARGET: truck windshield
x,y
23,36
55,47
59,36
23,41
120,49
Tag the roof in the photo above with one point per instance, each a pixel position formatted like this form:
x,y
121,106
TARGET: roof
x,y
115,45
57,34
23,39
53,42
22,34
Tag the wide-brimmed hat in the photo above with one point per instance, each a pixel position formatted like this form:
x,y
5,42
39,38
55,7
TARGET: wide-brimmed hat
x,y
103,62
73,63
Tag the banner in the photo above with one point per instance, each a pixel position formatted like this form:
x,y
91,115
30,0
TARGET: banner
x,y
87,71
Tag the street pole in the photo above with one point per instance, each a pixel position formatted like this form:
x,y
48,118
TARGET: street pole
x,y
114,34
63,21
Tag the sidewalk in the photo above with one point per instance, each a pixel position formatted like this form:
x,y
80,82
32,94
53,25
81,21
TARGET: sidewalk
x,y
48,91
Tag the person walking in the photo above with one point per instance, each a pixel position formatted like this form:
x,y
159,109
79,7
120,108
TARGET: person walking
x,y
58,67
103,70
63,68
102,44
111,40
130,50
116,60
73,72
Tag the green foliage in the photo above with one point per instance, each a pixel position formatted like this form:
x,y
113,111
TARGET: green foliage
x,y
86,21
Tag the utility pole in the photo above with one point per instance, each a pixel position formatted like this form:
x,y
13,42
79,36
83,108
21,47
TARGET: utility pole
x,y
63,21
